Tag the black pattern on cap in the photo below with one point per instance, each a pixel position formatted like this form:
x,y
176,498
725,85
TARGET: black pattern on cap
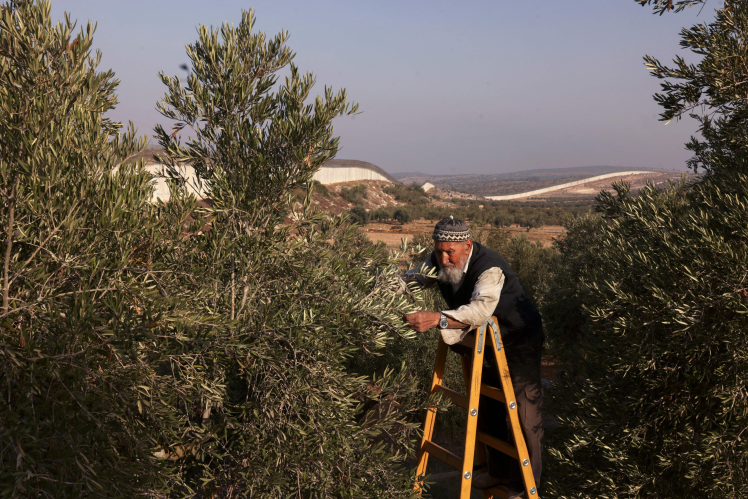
x,y
451,230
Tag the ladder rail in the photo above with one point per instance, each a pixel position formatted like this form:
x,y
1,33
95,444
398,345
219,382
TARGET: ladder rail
x,y
428,425
473,390
481,458
513,410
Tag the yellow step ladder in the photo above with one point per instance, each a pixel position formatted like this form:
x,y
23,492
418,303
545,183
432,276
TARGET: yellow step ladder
x,y
472,369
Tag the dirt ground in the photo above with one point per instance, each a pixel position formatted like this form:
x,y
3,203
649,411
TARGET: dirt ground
x,y
392,234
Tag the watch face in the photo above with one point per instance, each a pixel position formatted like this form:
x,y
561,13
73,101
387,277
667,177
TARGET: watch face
x,y
443,322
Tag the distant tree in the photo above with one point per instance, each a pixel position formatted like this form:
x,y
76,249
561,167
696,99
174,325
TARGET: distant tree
x,y
322,189
401,215
355,195
417,188
359,215
412,194
503,220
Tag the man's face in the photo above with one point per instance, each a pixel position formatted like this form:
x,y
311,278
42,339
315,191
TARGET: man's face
x,y
452,255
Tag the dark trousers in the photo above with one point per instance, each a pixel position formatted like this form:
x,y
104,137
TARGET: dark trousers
x,y
523,359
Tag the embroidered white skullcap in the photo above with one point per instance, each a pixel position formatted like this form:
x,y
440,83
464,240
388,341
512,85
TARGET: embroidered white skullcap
x,y
451,230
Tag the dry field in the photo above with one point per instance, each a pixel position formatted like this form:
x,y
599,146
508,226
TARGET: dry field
x,y
392,234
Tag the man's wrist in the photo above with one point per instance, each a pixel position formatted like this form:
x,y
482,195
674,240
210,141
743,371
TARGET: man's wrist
x,y
437,317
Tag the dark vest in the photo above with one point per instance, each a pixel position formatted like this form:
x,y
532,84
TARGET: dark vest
x,y
517,315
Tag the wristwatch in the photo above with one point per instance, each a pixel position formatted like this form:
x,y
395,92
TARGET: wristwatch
x,y
443,322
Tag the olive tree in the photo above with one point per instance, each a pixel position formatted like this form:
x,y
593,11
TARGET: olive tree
x,y
170,350
252,138
290,402
78,243
649,320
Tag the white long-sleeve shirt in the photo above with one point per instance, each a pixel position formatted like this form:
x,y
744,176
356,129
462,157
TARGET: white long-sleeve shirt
x,y
482,304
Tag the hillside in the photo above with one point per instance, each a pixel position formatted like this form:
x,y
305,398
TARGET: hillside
x,y
538,174
518,182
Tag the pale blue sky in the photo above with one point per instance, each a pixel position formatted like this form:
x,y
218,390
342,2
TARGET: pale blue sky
x,y
444,87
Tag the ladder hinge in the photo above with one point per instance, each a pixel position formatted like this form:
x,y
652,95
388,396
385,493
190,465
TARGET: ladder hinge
x,y
495,329
481,331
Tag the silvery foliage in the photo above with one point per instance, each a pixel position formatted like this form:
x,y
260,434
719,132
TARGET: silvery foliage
x,y
177,350
298,404
649,323
77,240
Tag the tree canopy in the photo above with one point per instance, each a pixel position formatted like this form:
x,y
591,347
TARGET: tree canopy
x,y
186,348
650,326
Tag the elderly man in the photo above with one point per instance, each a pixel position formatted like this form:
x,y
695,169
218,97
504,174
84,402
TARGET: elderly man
x,y
477,283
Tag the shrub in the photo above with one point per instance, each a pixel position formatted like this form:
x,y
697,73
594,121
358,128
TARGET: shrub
x,y
355,195
655,403
321,188
401,215
533,264
660,349
564,318
293,319
81,305
359,215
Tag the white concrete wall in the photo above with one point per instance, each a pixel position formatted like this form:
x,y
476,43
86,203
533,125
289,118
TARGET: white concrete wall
x,y
327,175
323,175
162,189
564,186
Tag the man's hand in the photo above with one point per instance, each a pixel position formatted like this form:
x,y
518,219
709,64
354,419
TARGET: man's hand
x,y
422,321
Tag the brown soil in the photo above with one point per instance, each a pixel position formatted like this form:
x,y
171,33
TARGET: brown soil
x,y
392,234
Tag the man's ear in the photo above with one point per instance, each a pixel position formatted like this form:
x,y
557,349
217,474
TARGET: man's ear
x,y
468,245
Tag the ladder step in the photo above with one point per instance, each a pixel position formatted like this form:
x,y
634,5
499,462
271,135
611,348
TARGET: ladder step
x,y
461,400
442,455
457,399
494,393
499,445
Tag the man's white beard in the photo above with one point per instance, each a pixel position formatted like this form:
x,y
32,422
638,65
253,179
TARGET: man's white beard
x,y
452,275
